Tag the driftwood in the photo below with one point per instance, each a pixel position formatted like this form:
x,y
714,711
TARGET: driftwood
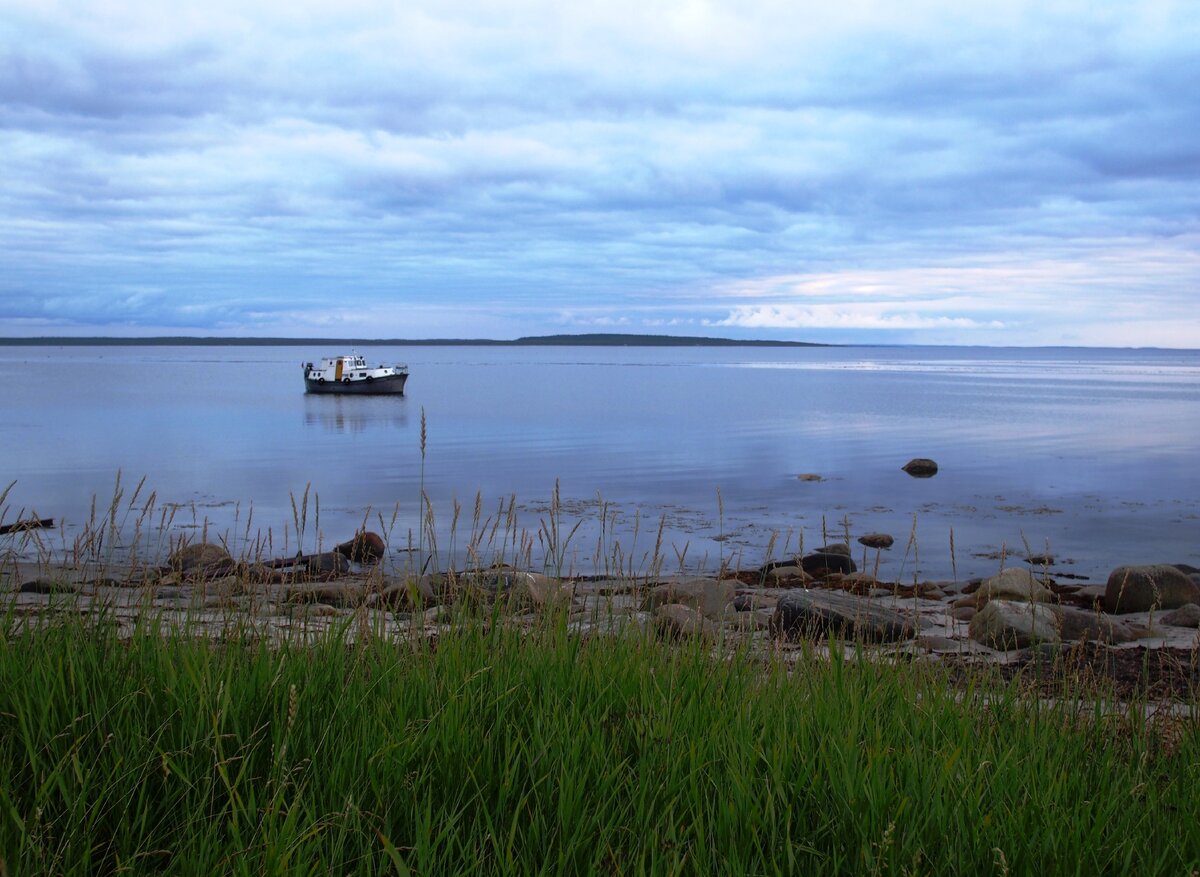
x,y
30,524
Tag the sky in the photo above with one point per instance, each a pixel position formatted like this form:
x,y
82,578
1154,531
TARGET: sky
x,y
1015,173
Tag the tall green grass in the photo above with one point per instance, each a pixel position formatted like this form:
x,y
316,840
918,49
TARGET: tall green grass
x,y
489,751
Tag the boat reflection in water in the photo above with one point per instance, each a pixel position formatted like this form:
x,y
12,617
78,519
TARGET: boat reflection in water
x,y
356,414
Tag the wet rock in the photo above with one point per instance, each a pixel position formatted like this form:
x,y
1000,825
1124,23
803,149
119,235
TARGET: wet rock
x,y
1008,624
1187,615
822,563
803,613
921,467
1145,588
708,596
1079,624
365,547
1013,584
679,621
876,540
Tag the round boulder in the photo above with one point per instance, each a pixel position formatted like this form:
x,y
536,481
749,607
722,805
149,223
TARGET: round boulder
x,y
921,467
876,540
1145,588
1013,583
1006,624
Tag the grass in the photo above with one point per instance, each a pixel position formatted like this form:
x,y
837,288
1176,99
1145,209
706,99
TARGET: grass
x,y
491,751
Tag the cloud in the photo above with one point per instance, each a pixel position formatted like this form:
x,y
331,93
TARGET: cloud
x,y
678,163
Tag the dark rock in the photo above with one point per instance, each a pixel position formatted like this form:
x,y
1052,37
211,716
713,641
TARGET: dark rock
x,y
365,547
47,586
834,548
803,613
201,560
1187,615
327,564
1040,559
822,563
921,467
1144,588
876,540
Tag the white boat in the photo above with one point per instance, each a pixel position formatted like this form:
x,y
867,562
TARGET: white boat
x,y
351,374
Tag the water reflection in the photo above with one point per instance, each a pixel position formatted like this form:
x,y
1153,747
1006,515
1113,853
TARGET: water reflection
x,y
355,414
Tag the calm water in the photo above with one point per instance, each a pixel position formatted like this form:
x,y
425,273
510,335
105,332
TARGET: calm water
x,y
1091,453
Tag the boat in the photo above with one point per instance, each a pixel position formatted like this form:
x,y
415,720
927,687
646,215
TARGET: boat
x,y
351,375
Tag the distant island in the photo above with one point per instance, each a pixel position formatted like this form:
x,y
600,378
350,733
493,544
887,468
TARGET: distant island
x,y
594,339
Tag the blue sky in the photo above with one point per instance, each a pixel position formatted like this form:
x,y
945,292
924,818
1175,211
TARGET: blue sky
x,y
918,172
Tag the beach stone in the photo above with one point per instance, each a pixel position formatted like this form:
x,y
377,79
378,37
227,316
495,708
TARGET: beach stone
x,y
327,564
822,563
1040,559
963,613
409,594
807,613
347,593
1008,624
1079,624
47,586
921,467
201,559
834,548
708,596
809,476
1187,615
751,602
365,547
1144,588
1013,584
876,540
677,620
791,574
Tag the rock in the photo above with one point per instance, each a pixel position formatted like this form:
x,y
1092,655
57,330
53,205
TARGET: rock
x,y
876,540
821,563
793,575
1040,559
835,548
968,602
821,613
709,596
409,594
1187,615
365,547
201,560
1008,624
809,476
1013,584
1144,588
751,602
1079,624
921,467
47,586
963,613
326,565
347,593
679,621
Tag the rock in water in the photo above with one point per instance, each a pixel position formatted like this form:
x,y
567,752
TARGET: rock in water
x,y
876,540
823,563
1143,588
1008,624
921,467
365,547
803,613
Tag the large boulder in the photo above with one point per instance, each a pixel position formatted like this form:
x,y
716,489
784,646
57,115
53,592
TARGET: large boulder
x,y
1146,588
804,613
1008,624
1013,584
1079,624
201,560
1187,615
823,563
709,596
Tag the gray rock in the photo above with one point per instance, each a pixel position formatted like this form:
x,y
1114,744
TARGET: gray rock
x,y
201,560
964,613
1013,584
677,620
1008,624
876,540
1079,624
346,593
1145,588
47,586
787,573
709,596
822,613
1187,615
921,467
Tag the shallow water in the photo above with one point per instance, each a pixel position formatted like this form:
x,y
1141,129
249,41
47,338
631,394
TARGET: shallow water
x,y
1089,454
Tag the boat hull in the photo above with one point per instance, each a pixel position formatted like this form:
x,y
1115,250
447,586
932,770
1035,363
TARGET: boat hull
x,y
391,385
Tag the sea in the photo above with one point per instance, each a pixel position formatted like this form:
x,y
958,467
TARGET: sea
x,y
585,460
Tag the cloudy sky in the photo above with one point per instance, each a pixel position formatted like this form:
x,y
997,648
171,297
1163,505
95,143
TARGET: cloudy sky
x,y
863,170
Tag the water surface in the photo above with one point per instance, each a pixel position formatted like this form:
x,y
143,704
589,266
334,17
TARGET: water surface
x,y
1087,453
